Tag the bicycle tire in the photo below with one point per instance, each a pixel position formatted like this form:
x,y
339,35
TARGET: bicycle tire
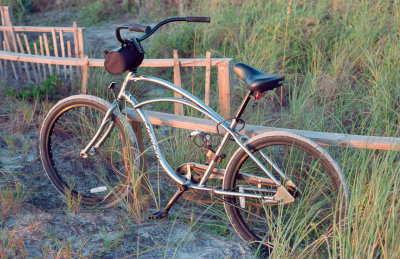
x,y
102,178
308,165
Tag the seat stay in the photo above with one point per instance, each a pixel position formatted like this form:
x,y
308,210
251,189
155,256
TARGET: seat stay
x,y
194,102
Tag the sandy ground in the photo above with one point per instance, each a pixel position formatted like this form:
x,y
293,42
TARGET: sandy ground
x,y
41,225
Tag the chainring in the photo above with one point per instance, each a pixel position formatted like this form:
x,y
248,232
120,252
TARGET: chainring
x,y
195,174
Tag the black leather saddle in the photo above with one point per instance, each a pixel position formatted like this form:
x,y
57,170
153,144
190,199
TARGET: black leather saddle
x,y
257,80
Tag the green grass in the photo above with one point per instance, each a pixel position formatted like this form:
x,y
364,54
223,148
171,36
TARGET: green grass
x,y
340,62
341,73
341,70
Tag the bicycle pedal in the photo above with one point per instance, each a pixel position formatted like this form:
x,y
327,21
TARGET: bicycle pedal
x,y
158,215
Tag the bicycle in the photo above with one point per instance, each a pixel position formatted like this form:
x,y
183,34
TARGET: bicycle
x,y
88,148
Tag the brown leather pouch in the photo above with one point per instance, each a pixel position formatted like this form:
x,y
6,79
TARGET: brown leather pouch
x,y
123,59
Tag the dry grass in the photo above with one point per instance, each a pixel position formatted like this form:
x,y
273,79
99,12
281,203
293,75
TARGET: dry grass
x,y
12,197
341,67
72,202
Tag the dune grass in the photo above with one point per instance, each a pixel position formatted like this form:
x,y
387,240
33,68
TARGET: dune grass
x,y
341,70
341,75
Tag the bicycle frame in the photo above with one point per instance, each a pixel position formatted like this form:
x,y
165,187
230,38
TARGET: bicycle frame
x,y
281,196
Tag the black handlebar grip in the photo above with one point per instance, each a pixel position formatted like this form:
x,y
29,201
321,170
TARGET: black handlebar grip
x,y
131,27
198,19
139,28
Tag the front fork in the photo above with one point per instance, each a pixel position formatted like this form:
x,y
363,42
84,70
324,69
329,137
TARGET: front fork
x,y
99,137
91,148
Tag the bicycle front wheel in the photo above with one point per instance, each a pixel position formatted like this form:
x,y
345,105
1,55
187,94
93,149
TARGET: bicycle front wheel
x,y
294,227
104,175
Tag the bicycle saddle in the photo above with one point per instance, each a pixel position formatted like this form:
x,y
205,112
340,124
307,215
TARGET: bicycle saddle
x,y
257,80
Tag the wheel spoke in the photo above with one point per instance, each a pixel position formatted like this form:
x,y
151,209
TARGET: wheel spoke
x,y
311,170
103,175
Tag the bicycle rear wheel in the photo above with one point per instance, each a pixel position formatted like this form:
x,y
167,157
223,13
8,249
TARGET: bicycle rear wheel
x,y
294,227
102,177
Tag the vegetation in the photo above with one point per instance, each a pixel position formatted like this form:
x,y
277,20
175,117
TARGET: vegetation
x,y
20,7
46,88
340,60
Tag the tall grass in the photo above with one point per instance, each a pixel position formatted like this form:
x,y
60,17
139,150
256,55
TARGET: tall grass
x,y
341,70
341,57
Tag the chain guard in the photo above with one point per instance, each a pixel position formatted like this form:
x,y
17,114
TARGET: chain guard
x,y
194,172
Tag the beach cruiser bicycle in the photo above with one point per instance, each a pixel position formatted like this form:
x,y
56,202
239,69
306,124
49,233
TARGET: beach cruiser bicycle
x,y
89,150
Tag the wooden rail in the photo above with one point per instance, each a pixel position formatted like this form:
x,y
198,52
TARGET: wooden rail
x,y
66,59
100,62
55,57
185,122
224,66
323,138
47,41
37,29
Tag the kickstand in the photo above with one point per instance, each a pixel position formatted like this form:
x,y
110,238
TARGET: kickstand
x,y
163,213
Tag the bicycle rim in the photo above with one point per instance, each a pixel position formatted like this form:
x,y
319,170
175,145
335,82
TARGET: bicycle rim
x,y
301,225
100,178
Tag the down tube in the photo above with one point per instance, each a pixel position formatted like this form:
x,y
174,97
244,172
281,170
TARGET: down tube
x,y
150,132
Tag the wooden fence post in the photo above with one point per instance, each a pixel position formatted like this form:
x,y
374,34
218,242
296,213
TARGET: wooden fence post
x,y
225,88
80,43
28,50
55,47
3,70
76,44
177,81
208,78
137,129
21,48
7,17
38,66
63,52
85,69
43,54
6,46
14,41
71,71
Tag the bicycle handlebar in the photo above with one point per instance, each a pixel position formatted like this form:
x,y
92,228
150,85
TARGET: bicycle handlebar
x,y
198,19
147,29
131,27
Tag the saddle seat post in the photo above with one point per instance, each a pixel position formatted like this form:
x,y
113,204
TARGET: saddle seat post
x,y
183,188
243,105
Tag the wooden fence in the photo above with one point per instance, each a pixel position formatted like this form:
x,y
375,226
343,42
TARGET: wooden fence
x,y
224,66
62,55
45,41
